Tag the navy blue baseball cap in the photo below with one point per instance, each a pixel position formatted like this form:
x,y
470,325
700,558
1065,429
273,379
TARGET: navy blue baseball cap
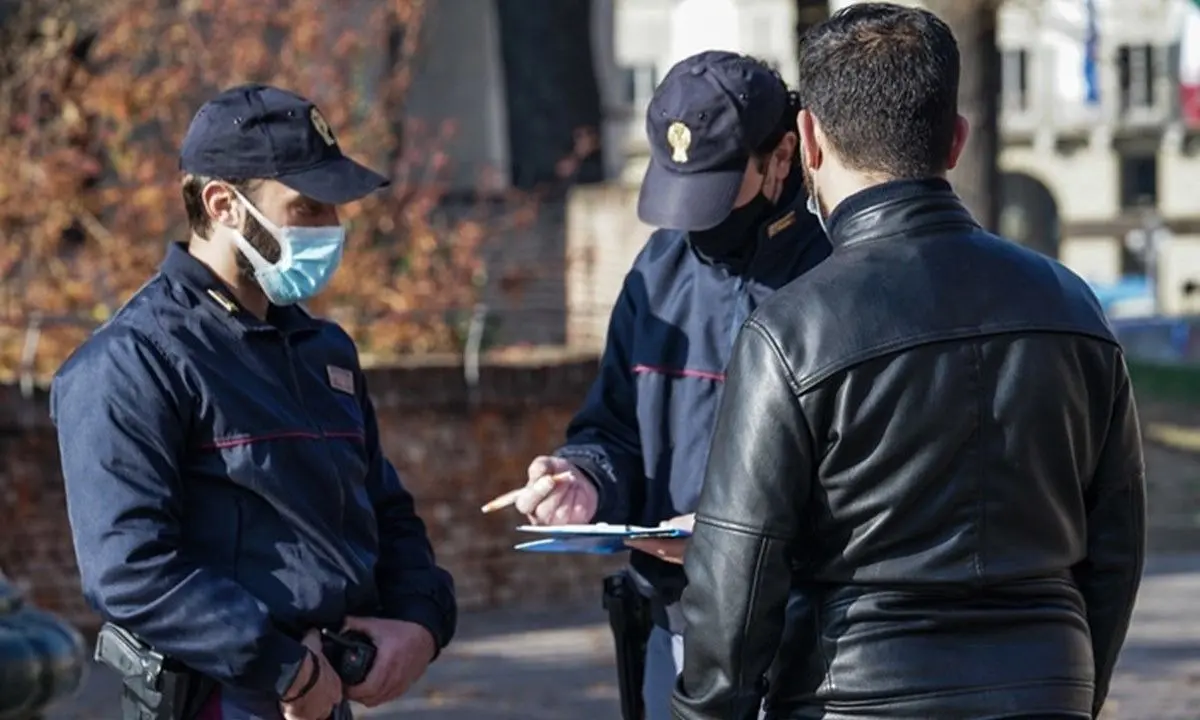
x,y
707,117
258,131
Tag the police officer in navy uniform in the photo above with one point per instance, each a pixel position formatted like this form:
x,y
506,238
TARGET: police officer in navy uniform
x,y
723,187
227,491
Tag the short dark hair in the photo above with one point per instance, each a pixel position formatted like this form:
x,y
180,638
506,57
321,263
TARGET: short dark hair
x,y
882,79
192,189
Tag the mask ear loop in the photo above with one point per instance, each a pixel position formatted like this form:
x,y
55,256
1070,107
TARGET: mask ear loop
x,y
285,248
791,109
776,186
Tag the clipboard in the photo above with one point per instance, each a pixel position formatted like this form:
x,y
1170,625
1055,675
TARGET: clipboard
x,y
596,539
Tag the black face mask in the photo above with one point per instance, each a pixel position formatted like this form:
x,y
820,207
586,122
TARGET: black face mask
x,y
735,233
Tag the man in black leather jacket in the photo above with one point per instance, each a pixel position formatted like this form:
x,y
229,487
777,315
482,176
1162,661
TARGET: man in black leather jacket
x,y
929,441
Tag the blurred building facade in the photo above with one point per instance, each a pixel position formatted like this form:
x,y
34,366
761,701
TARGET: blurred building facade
x,y
514,79
1097,145
502,88
1097,148
1096,140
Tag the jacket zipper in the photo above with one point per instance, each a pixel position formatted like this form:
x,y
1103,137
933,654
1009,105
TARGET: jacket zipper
x,y
739,312
741,307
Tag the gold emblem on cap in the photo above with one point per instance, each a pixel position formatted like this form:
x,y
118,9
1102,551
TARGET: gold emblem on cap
x,y
322,127
679,137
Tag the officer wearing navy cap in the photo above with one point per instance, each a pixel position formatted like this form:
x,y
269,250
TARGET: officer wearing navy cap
x,y
226,487
723,189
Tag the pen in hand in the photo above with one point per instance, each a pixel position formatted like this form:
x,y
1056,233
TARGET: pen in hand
x,y
510,497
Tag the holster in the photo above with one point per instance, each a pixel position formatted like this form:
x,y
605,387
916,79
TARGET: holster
x,y
629,618
154,687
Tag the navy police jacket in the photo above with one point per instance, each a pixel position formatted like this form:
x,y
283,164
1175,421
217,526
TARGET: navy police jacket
x,y
644,431
225,483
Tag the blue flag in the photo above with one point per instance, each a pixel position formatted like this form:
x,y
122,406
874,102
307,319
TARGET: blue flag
x,y
1091,42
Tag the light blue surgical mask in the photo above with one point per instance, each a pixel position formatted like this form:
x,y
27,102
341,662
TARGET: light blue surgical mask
x,y
307,260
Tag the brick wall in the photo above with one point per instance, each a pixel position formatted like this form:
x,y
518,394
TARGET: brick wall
x,y
456,446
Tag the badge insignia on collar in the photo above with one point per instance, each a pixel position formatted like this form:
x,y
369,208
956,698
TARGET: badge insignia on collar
x,y
219,297
340,379
679,137
781,224
322,127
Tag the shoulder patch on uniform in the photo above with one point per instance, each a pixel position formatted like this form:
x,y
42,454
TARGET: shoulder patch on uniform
x,y
340,379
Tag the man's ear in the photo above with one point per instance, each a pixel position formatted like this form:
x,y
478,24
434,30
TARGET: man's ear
x,y
220,202
810,149
962,130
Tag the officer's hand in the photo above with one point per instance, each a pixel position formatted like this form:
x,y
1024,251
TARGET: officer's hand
x,y
403,651
670,549
558,493
319,701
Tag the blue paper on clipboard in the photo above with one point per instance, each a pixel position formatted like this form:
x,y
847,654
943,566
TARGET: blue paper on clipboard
x,y
597,539
587,545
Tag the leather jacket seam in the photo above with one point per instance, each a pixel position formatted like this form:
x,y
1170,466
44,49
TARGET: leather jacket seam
x,y
819,375
740,528
777,351
755,588
981,690
789,374
981,472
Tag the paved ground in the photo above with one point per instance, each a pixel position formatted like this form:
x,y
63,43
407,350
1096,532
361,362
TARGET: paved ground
x,y
1158,677
557,666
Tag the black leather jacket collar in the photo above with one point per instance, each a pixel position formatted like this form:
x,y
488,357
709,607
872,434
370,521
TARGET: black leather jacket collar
x,y
897,207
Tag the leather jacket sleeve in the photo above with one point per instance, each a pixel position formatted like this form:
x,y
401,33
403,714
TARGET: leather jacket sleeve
x,y
739,559
1115,501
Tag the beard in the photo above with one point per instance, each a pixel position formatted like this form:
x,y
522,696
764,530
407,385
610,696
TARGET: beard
x,y
261,240
810,188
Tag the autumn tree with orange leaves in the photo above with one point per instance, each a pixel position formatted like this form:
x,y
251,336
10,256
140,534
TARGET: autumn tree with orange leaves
x,y
95,98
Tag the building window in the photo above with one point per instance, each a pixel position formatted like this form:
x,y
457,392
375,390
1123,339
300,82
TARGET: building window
x,y
1139,181
1014,80
638,83
1137,70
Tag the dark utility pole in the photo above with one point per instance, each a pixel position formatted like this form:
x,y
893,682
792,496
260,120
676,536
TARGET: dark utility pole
x,y
977,177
